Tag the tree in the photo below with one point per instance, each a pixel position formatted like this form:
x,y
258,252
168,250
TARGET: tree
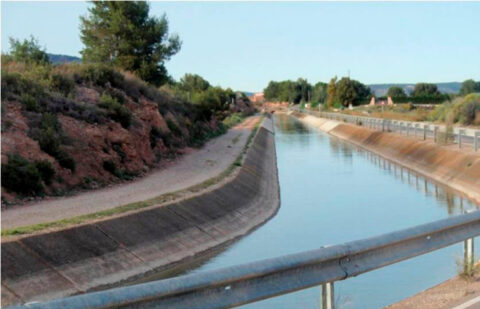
x,y
319,92
331,92
469,86
28,51
396,92
346,91
425,90
193,83
350,91
303,90
124,35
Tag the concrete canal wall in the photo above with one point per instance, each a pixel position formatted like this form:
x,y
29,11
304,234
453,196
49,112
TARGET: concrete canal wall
x,y
455,168
99,254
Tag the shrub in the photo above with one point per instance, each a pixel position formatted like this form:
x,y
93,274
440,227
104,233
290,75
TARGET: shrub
x,y
471,109
21,176
173,127
116,111
65,160
49,141
62,84
46,170
109,166
29,102
233,120
100,75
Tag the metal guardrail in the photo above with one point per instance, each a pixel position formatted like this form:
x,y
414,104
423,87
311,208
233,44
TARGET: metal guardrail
x,y
234,286
439,133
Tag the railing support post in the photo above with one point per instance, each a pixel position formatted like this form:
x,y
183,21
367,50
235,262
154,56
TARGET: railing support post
x,y
468,256
328,298
425,128
475,140
460,133
435,133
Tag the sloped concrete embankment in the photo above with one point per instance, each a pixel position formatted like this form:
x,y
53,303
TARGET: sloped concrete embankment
x,y
103,253
454,168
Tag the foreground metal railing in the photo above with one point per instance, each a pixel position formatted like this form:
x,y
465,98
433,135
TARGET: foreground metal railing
x,y
234,286
438,133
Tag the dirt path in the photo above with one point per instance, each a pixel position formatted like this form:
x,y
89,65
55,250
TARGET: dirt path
x,y
193,168
451,294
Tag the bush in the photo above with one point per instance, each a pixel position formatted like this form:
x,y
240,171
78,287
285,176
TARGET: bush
x,y
65,160
49,141
233,120
100,75
173,127
471,110
46,170
109,166
21,176
116,111
62,84
29,102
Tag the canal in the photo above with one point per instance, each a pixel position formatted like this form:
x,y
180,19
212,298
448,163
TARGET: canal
x,y
333,192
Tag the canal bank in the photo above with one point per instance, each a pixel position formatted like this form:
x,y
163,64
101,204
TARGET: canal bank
x,y
454,168
120,249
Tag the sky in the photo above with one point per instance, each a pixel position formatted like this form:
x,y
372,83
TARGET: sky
x,y
244,45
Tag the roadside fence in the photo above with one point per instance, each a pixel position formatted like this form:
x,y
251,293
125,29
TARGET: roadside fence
x,y
440,134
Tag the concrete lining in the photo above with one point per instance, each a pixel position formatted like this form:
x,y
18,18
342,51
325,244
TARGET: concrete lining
x,y
454,168
104,253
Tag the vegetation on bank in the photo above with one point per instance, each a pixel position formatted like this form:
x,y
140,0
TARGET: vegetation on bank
x,y
162,199
461,110
344,92
115,81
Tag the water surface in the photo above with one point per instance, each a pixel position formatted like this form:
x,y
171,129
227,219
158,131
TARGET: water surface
x,y
333,192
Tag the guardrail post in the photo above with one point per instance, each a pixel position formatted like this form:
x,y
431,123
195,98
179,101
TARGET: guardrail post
x,y
425,129
460,133
468,256
435,133
328,299
475,140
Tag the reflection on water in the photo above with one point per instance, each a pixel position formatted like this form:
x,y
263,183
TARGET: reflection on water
x,y
331,193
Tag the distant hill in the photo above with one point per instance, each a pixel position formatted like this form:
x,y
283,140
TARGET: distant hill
x,y
57,59
381,89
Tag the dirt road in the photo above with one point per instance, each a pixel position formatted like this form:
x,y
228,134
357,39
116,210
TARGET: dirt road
x,y
193,168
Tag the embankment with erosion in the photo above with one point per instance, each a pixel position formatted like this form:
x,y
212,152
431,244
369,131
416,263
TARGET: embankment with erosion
x,y
120,249
455,168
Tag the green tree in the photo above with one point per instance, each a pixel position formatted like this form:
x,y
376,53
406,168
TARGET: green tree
x,y
469,86
123,34
332,92
350,91
396,92
319,92
303,90
193,83
271,92
28,51
346,91
425,90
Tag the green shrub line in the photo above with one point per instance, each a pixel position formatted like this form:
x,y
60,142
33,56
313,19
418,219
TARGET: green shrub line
x,y
167,197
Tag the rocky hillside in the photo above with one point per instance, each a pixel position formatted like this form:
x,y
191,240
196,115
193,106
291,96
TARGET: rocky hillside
x,y
84,126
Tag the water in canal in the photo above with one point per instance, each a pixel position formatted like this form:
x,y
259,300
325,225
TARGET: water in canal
x,y
332,192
